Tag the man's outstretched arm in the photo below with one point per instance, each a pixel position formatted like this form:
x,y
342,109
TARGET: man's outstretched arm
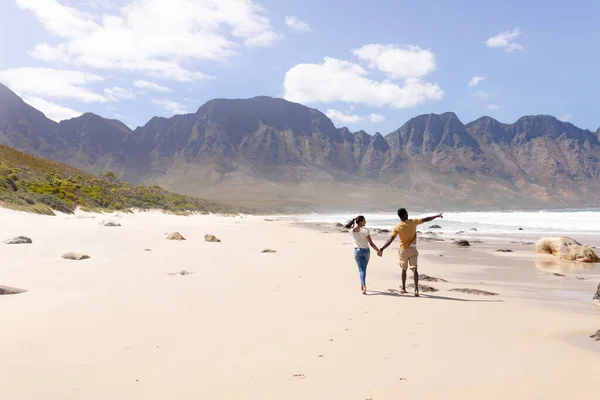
x,y
429,219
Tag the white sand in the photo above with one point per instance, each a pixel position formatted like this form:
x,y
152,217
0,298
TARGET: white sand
x,y
117,326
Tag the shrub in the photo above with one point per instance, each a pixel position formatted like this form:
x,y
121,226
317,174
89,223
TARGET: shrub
x,y
55,203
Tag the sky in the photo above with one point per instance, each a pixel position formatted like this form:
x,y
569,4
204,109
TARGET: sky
x,y
368,65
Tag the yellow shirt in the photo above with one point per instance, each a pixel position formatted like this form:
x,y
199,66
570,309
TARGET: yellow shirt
x,y
407,230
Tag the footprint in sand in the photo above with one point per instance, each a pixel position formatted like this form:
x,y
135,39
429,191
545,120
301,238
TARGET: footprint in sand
x,y
299,376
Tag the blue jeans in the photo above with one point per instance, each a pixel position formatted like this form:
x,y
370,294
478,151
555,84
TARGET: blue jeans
x,y
362,260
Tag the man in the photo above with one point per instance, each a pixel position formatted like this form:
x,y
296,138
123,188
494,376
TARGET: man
x,y
407,231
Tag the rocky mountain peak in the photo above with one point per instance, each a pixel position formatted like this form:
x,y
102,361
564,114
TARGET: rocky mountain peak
x,y
430,131
546,126
489,130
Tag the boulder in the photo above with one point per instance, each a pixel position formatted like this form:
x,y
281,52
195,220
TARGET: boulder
x,y
110,223
596,336
521,229
474,291
211,238
338,225
379,230
473,229
19,240
422,288
175,236
268,251
6,290
75,256
566,248
427,278
147,250
597,296
435,227
461,243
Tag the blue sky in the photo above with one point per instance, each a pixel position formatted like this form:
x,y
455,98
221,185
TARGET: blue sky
x,y
368,67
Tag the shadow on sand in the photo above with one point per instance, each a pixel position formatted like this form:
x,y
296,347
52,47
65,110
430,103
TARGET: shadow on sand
x,y
428,296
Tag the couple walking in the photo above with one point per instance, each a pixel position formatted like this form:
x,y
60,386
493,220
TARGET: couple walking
x,y
406,229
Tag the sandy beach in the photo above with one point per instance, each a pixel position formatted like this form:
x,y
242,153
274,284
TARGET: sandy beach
x,y
285,325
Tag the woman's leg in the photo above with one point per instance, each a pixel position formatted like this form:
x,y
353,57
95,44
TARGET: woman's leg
x,y
366,258
362,267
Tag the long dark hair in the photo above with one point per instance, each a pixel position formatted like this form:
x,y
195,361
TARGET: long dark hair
x,y
356,220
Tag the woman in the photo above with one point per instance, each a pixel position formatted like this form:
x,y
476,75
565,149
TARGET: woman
x,y
362,240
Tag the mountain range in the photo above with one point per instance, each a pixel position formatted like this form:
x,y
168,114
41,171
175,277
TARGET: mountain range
x,y
276,155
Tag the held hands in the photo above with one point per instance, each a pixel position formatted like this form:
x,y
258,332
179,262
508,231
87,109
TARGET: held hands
x,y
380,253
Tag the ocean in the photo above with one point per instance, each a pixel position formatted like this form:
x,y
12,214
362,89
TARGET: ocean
x,y
563,222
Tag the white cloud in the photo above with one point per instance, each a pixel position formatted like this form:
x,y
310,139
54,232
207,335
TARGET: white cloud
x,y
296,24
171,106
344,118
476,80
156,37
338,80
116,93
481,94
49,82
566,117
505,40
264,39
398,62
141,84
494,107
340,116
376,118
51,110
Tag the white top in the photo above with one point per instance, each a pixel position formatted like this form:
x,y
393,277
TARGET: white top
x,y
360,238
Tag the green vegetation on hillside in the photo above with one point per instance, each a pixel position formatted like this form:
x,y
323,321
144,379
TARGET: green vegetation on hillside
x,y
36,184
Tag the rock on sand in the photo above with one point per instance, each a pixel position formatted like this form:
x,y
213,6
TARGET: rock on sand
x,y
175,236
75,256
462,243
211,238
6,290
19,240
566,248
110,223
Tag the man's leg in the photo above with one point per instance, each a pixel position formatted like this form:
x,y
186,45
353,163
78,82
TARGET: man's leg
x,y
413,267
416,278
403,261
